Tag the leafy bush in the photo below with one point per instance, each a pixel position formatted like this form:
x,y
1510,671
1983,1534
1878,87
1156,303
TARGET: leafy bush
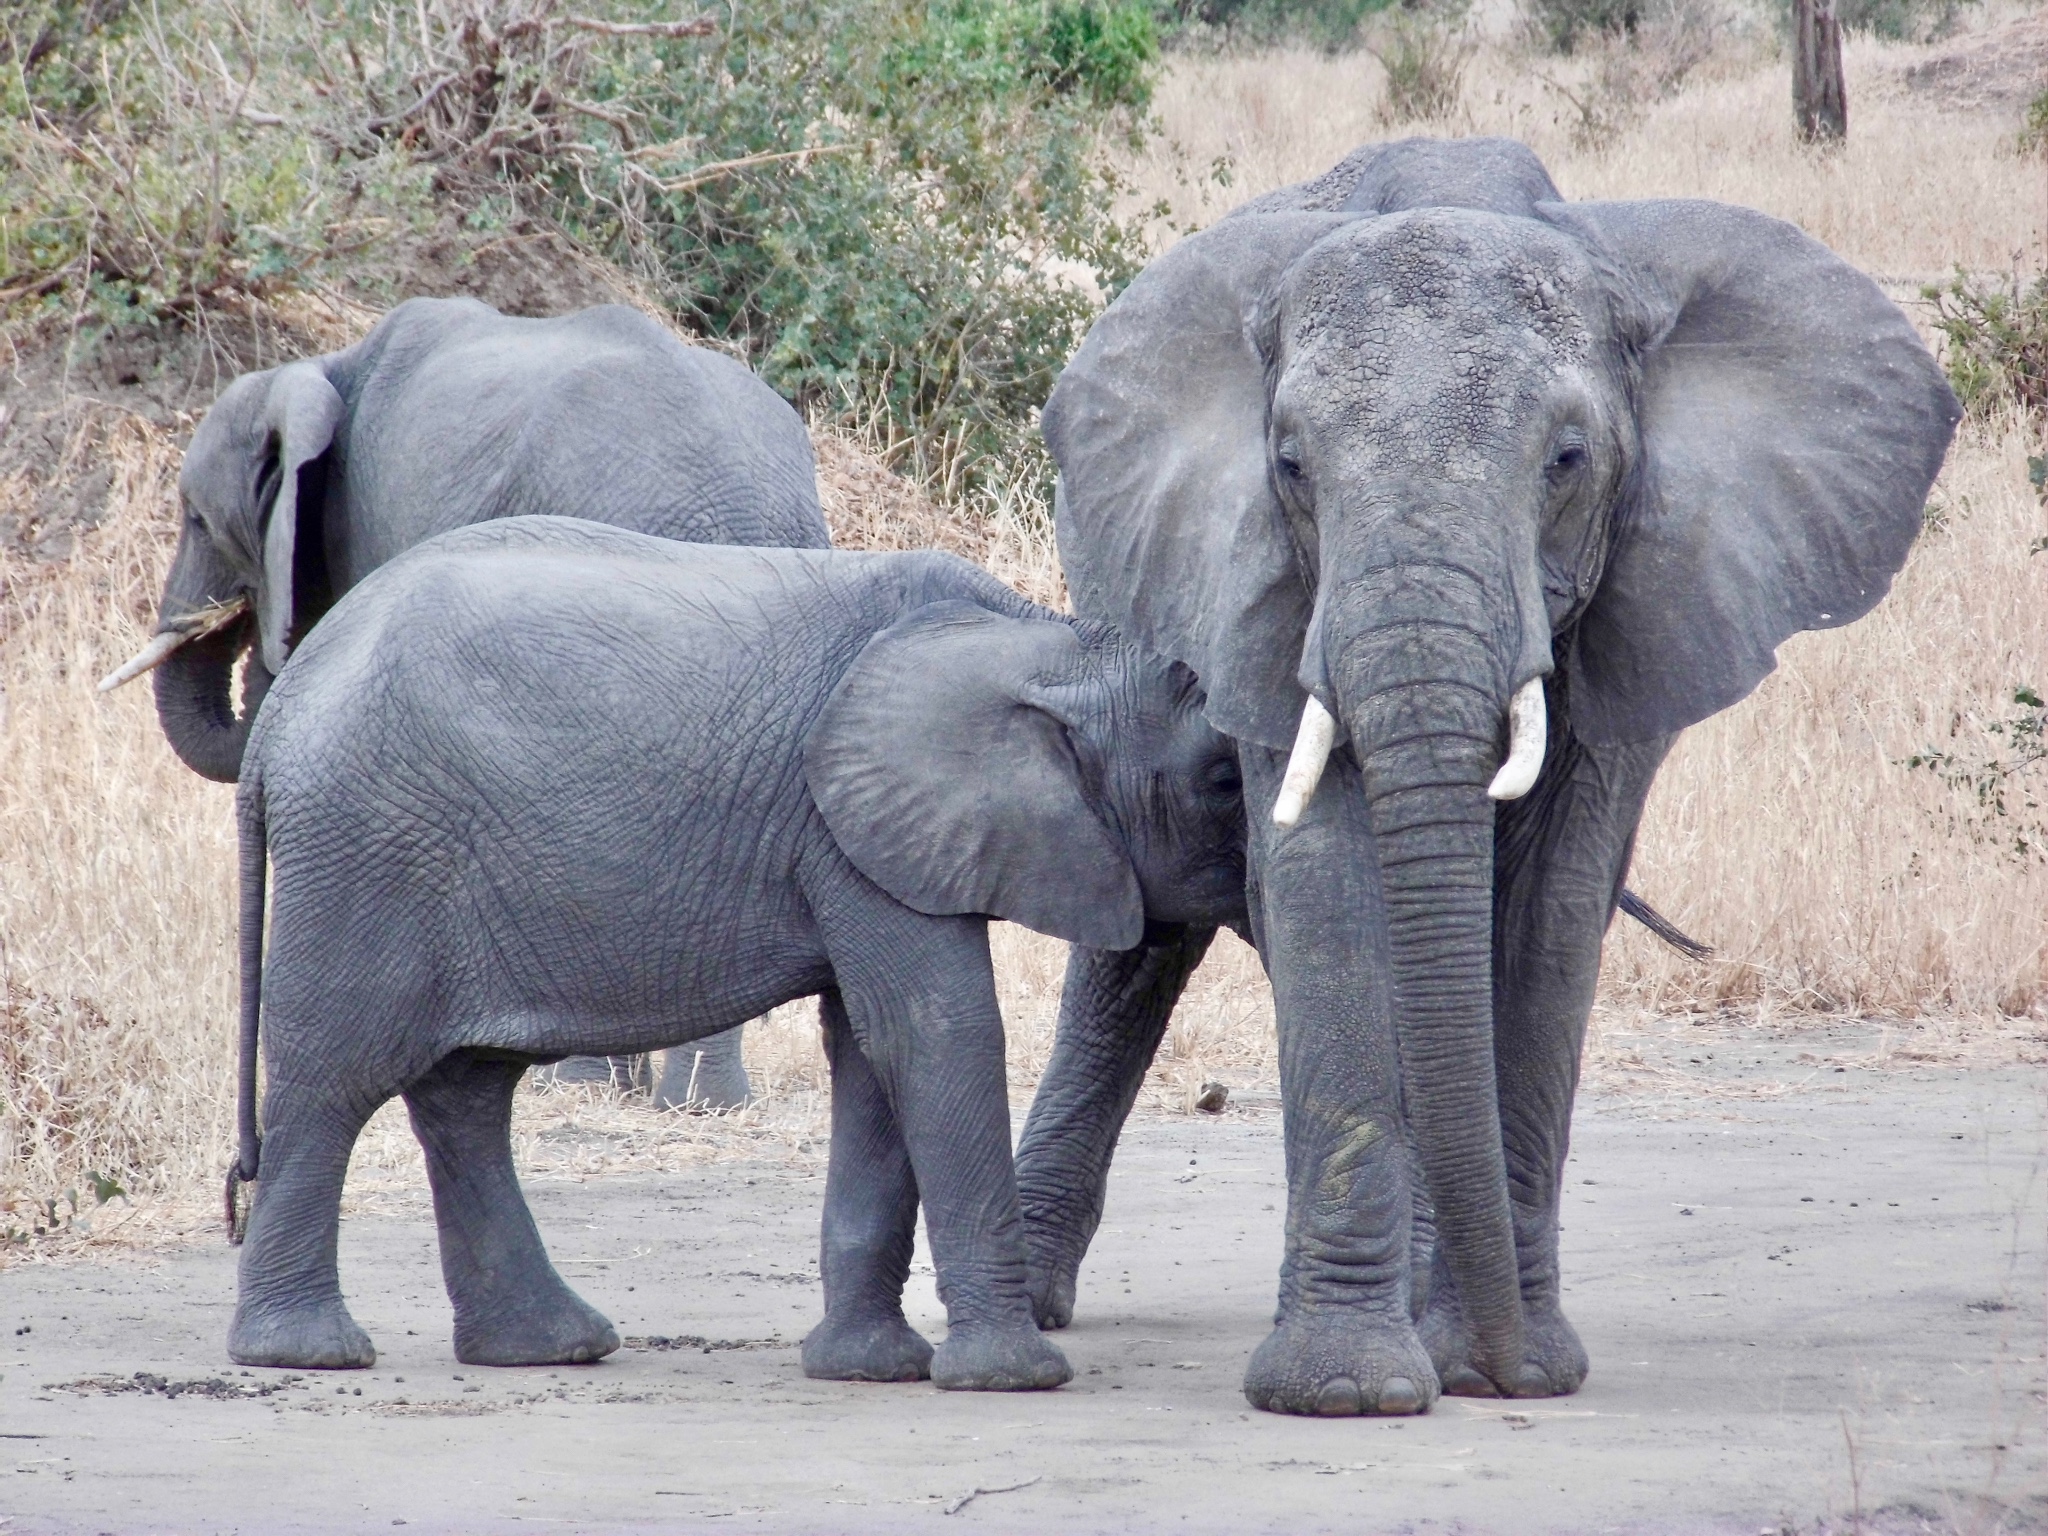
x,y
1911,21
1331,25
1566,25
1995,339
2010,799
141,175
1424,57
898,210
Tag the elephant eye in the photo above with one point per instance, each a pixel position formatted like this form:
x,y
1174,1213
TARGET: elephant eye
x,y
1567,458
1224,778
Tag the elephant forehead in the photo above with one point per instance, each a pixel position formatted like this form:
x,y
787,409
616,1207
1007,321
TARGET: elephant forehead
x,y
1440,313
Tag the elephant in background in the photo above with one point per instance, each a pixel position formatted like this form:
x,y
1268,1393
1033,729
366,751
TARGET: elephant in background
x,y
1461,500
305,478
542,786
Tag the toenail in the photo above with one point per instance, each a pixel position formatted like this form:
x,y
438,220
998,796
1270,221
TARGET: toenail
x,y
1338,1399
1532,1381
1398,1395
1463,1381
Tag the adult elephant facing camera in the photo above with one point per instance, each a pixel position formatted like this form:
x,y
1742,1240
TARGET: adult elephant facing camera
x,y
1463,501
303,479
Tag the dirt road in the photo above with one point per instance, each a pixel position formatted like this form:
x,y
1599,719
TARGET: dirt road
x,y
1805,1292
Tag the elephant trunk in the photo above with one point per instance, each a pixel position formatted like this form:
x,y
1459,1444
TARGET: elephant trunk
x,y
1422,677
195,706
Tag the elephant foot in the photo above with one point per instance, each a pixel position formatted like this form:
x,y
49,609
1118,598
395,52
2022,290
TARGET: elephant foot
x,y
563,1330
315,1338
983,1359
1052,1298
1339,1368
866,1349
1554,1363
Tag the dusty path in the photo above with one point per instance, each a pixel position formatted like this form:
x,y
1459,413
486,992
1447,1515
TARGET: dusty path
x,y
1766,1285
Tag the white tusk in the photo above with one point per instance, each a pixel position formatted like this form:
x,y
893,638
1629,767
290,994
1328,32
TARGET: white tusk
x,y
1528,732
1312,744
151,656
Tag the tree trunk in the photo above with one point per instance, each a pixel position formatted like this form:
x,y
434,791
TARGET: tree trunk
x,y
1820,99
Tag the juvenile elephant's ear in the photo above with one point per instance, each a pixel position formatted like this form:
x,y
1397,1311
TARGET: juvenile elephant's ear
x,y
1168,525
1792,423
950,769
246,464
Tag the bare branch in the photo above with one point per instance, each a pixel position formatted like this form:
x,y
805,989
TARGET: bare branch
x,y
722,168
702,26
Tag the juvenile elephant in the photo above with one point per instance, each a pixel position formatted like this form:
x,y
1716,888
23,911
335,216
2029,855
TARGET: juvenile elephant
x,y
1462,501
542,786
305,478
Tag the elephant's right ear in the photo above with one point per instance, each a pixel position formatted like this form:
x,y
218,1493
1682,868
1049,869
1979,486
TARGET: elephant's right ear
x,y
1168,525
246,466
949,768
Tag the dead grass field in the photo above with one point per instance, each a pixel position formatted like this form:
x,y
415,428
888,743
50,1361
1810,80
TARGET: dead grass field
x,y
1788,832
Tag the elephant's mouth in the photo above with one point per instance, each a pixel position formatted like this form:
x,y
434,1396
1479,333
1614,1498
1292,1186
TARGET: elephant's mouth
x,y
1528,734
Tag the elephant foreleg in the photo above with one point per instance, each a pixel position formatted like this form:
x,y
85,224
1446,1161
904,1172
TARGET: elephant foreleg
x,y
870,1227
511,1307
1112,1014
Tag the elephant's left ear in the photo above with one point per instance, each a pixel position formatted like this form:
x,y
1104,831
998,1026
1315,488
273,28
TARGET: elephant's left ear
x,y
951,769
1792,423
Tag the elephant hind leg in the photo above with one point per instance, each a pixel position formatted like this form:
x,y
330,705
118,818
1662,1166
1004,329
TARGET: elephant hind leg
x,y
869,1229
511,1308
289,1310
708,1073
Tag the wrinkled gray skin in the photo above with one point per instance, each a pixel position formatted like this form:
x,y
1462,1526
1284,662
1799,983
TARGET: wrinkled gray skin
x,y
542,787
303,479
1406,437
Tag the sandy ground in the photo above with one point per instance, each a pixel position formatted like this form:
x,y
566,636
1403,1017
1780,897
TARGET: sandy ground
x,y
1808,1293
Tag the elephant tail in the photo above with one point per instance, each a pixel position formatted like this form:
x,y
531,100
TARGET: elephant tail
x,y
1663,927
255,851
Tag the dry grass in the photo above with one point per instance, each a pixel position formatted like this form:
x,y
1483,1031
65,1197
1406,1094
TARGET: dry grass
x,y
1919,186
1786,832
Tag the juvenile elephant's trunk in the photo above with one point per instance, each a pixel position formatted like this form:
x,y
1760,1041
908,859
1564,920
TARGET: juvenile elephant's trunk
x,y
1415,660
195,705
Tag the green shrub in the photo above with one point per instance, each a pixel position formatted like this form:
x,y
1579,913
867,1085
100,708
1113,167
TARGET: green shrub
x,y
145,168
1331,25
898,209
1995,339
1424,58
1912,21
1564,25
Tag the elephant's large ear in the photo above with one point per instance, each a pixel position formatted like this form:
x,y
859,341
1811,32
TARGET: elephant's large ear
x,y
303,413
246,468
1168,525
949,769
1792,423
